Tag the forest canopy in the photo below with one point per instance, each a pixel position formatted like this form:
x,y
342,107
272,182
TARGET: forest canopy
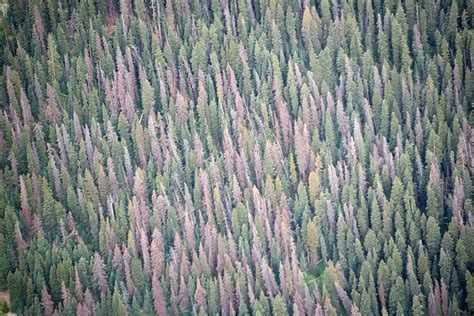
x,y
237,157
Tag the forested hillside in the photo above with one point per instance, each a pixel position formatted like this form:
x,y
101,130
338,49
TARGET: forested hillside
x,y
237,157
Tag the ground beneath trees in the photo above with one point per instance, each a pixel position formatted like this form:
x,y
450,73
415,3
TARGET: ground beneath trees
x,y
5,297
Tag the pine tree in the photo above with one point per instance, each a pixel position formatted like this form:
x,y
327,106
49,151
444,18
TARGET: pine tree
x,y
312,243
397,298
99,273
279,306
48,306
148,96
48,210
118,306
433,237
54,62
470,291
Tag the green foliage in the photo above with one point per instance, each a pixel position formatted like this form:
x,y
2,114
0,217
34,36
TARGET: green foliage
x,y
202,157
4,307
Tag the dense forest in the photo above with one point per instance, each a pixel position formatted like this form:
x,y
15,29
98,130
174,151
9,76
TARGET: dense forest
x,y
237,157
